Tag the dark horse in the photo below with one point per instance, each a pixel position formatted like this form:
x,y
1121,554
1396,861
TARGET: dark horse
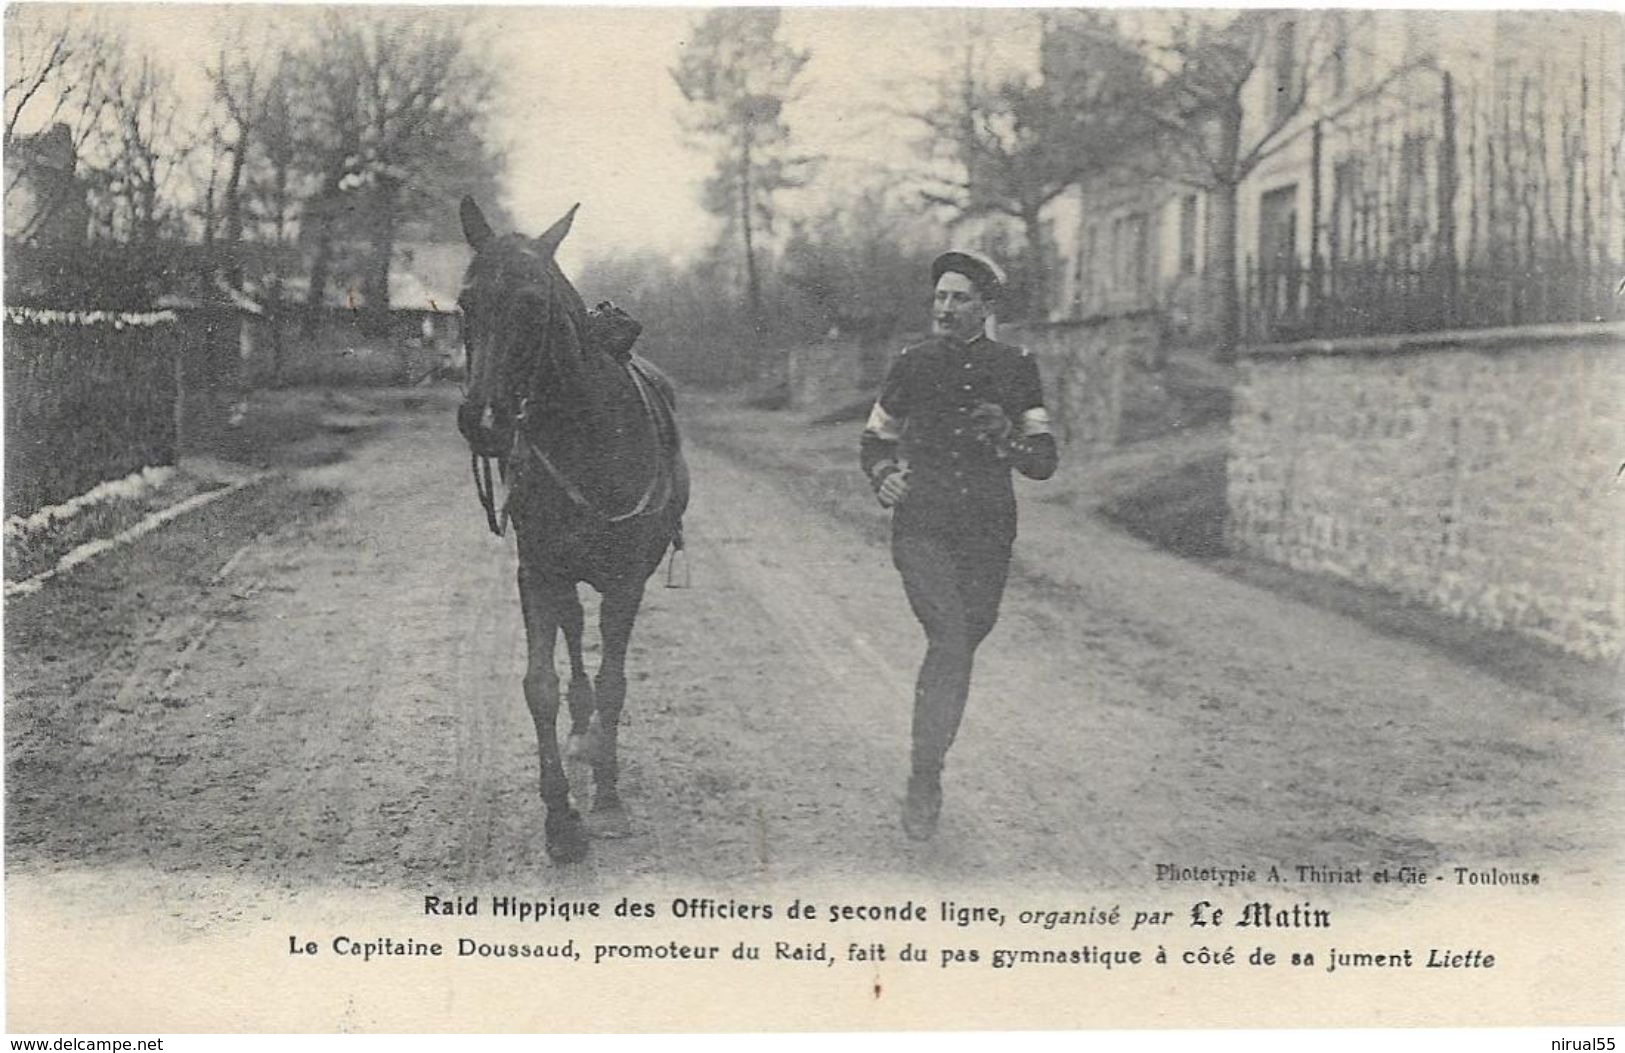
x,y
587,441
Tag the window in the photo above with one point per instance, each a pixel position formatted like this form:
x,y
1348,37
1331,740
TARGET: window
x,y
1286,47
1083,288
1187,235
1132,278
1344,232
1278,228
1412,218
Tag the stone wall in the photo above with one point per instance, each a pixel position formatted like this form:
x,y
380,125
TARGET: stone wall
x,y
824,372
1091,369
1098,372
1473,471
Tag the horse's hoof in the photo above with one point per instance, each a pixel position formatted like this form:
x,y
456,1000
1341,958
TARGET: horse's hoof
x,y
566,838
610,821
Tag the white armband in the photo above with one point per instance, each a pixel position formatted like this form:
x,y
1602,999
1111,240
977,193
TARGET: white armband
x,y
1034,422
883,425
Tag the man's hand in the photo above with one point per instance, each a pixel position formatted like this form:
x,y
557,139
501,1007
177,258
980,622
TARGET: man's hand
x,y
892,488
991,423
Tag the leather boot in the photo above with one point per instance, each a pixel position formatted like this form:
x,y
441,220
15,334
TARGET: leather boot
x,y
921,806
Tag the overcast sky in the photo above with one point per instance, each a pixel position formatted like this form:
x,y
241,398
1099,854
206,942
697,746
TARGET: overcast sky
x,y
595,113
589,111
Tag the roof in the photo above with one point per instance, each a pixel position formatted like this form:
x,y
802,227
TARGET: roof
x,y
217,294
409,292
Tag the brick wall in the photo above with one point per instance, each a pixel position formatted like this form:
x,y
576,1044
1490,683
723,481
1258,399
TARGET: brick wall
x,y
1472,471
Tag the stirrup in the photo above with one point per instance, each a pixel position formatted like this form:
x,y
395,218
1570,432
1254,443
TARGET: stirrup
x,y
671,570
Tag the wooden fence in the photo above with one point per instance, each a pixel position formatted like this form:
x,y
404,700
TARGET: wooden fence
x,y
93,396
89,397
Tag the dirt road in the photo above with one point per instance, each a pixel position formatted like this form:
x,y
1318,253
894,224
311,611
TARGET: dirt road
x,y
315,684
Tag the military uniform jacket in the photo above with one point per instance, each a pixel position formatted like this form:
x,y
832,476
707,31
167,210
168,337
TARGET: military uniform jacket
x,y
959,481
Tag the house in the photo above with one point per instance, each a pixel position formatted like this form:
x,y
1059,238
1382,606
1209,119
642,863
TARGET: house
x,y
1409,170
424,284
45,200
1126,245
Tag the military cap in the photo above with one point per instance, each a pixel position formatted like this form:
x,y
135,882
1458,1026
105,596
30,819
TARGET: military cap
x,y
987,276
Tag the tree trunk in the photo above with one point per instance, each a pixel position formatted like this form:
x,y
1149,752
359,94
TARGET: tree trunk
x,y
1034,302
753,286
233,233
320,267
1224,300
383,250
273,318
274,302
327,203
208,214
1445,254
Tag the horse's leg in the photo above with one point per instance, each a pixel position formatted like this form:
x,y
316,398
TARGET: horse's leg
x,y
579,695
543,600
616,615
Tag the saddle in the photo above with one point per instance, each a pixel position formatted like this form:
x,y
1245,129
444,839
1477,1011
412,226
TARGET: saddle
x,y
612,331
660,403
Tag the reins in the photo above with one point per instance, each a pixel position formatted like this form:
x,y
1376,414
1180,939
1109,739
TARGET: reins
x,y
659,480
488,496
661,474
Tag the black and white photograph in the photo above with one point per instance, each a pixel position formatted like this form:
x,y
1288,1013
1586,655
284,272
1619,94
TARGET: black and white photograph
x,y
631,519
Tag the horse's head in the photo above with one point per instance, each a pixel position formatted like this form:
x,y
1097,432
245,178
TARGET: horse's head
x,y
523,324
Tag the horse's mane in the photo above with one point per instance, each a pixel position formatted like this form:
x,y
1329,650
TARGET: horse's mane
x,y
565,295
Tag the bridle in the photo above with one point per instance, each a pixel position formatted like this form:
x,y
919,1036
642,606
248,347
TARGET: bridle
x,y
488,497
659,479
523,445
656,495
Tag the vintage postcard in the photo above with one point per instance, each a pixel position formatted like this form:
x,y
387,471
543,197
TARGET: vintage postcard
x,y
588,519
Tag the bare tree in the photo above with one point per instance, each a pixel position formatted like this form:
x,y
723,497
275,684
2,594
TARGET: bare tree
x,y
1018,142
423,99
855,267
1204,63
238,77
273,180
148,146
273,190
393,111
58,69
738,77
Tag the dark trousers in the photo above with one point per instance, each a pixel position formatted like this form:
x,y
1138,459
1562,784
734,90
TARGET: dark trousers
x,y
954,586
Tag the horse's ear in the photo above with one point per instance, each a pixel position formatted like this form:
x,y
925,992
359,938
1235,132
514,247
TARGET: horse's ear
x,y
475,228
550,238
